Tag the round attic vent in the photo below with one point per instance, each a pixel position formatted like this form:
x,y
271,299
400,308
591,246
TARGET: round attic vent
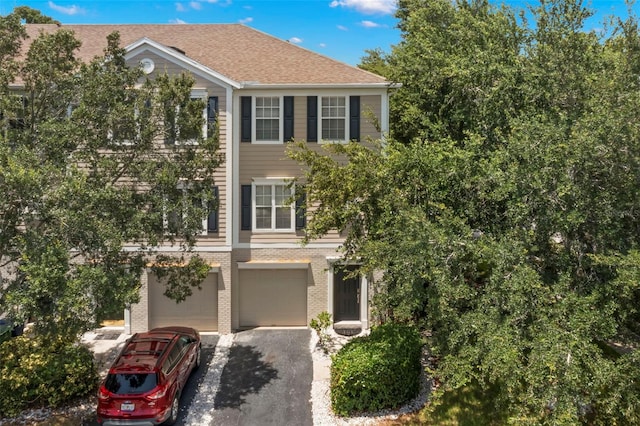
x,y
147,65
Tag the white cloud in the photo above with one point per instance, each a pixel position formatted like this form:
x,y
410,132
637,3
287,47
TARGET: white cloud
x,y
367,6
323,45
71,10
246,20
177,21
369,24
180,7
295,40
342,28
195,5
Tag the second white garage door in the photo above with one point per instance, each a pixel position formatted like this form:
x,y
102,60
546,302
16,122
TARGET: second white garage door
x,y
200,310
273,297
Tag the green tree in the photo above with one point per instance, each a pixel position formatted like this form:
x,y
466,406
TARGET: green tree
x,y
84,172
375,61
503,209
33,16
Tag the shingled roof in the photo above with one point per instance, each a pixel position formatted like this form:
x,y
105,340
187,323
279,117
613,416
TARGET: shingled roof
x,y
236,51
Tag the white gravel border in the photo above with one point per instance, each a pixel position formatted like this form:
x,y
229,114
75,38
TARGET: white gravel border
x,y
203,405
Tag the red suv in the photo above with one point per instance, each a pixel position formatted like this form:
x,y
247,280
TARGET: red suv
x,y
145,381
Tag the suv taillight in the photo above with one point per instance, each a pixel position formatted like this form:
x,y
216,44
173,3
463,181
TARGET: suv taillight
x,y
103,393
157,394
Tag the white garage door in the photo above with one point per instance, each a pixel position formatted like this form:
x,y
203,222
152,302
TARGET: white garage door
x,y
200,310
273,297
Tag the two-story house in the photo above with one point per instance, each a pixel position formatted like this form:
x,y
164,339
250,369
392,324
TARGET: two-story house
x,y
264,92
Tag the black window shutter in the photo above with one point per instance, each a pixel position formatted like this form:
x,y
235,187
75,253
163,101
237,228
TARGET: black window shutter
x,y
354,118
212,109
312,119
245,220
301,211
212,115
213,219
245,117
288,118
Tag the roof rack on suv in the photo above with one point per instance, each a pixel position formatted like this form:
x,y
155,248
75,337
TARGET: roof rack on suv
x,y
128,352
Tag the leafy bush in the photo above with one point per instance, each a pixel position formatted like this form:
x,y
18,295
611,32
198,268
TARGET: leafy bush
x,y
378,371
320,325
35,371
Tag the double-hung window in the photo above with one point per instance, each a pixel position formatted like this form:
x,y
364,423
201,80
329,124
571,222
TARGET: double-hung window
x,y
183,203
273,208
179,128
268,120
333,118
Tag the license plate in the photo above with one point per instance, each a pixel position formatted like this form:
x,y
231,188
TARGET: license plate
x,y
127,407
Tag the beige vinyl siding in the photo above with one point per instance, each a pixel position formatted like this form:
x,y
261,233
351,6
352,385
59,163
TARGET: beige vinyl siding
x,y
270,161
220,176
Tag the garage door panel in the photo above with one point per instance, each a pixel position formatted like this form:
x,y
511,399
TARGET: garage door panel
x,y
200,310
273,298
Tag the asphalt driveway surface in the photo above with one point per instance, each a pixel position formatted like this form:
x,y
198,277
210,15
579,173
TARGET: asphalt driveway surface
x,y
266,380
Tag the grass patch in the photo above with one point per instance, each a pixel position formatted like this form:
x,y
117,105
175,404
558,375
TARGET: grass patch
x,y
468,406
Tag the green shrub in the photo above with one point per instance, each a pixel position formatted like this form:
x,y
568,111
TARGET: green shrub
x,y
321,325
36,372
376,372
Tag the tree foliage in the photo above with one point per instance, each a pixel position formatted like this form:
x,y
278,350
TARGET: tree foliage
x,y
85,173
33,16
503,208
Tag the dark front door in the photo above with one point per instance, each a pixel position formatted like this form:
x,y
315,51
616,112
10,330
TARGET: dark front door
x,y
346,294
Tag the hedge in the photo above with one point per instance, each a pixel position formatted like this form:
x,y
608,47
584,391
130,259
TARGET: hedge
x,y
38,372
378,371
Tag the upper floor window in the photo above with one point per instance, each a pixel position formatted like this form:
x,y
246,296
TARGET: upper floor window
x,y
333,118
178,125
267,119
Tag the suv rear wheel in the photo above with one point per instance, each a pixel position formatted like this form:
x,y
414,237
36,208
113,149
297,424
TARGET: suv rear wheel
x,y
198,357
175,406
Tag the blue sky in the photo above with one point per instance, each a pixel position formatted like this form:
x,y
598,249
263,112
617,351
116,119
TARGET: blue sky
x,y
341,29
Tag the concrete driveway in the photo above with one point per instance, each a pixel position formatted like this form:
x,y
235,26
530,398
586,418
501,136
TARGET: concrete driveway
x,y
266,380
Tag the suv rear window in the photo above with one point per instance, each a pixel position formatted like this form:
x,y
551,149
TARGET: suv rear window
x,y
123,384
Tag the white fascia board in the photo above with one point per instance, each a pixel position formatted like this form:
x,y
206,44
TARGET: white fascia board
x,y
172,55
342,86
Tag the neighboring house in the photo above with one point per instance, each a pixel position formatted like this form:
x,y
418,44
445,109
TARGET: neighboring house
x,y
264,92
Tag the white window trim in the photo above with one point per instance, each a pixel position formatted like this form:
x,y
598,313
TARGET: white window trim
x,y
273,182
347,114
125,142
200,94
254,119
